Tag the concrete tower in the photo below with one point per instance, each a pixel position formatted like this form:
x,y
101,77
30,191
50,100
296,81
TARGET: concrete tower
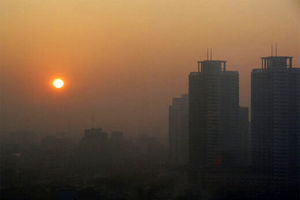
x,y
275,121
214,139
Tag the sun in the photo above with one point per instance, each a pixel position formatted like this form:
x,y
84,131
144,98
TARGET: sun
x,y
58,83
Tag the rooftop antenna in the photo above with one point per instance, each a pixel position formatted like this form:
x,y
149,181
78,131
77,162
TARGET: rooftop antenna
x,y
207,53
210,53
272,50
276,49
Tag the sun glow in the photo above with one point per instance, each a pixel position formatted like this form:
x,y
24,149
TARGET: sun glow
x,y
58,83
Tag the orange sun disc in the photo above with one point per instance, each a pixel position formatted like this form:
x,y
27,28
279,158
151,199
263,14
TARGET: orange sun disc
x,y
58,83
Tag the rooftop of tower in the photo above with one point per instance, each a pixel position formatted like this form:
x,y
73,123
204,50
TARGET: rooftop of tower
x,y
212,66
276,62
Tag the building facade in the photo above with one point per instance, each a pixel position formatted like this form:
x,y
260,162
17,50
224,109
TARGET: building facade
x,y
214,139
244,127
178,131
275,121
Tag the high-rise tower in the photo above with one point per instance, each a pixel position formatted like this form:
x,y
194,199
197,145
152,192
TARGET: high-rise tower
x,y
178,130
275,121
214,141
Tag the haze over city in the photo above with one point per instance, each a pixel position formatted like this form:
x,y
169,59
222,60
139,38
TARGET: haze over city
x,y
123,61
152,99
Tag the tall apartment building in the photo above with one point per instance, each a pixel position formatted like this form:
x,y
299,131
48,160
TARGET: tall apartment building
x,y
275,121
178,130
214,139
244,127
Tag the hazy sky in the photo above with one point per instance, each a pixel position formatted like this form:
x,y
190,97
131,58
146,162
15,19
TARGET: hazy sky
x,y
124,60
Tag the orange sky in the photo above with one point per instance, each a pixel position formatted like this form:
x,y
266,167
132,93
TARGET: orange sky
x,y
124,60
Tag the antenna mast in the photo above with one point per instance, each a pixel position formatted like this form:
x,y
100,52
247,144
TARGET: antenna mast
x,y
272,50
207,53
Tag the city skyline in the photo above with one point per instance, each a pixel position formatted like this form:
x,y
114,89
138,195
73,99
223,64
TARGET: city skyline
x,y
120,57
151,99
62,105
225,147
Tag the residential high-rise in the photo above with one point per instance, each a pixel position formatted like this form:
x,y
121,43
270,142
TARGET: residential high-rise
x,y
214,139
275,121
245,136
178,130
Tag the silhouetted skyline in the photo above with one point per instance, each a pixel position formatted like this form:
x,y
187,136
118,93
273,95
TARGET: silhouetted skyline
x,y
125,60
143,100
